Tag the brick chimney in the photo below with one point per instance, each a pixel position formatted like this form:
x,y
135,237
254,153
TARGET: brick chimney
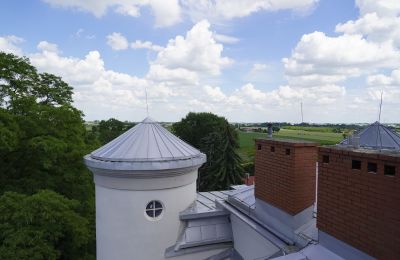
x,y
359,202
285,186
285,173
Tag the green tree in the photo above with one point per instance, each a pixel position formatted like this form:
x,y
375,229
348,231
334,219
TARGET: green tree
x,y
214,136
44,225
109,129
43,138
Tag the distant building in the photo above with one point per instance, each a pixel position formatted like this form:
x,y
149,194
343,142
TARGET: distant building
x,y
375,136
309,202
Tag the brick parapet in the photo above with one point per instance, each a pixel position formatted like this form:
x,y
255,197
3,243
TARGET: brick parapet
x,y
359,207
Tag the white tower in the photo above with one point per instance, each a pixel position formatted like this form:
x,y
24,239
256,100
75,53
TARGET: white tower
x,y
143,178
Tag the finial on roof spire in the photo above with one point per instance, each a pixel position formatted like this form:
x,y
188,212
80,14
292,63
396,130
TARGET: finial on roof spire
x,y
147,105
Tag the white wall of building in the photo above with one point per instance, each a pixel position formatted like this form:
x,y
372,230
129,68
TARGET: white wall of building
x,y
249,243
125,232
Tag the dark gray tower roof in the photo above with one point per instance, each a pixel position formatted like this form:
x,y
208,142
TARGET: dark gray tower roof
x,y
376,136
147,146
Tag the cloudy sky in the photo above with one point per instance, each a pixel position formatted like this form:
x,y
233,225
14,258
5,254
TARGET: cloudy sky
x,y
247,60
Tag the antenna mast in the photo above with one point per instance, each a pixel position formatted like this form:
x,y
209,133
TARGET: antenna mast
x,y
380,108
301,109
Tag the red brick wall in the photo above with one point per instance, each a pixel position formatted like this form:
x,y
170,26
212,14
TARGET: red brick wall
x,y
286,181
359,207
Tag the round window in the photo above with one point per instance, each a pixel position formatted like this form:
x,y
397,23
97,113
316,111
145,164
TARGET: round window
x,y
154,209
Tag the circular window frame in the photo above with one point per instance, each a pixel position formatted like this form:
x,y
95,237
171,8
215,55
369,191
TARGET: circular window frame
x,y
152,207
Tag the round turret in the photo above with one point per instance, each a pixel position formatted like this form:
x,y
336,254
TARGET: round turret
x,y
143,178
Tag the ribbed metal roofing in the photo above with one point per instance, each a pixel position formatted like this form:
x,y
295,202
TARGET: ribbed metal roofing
x,y
377,136
147,146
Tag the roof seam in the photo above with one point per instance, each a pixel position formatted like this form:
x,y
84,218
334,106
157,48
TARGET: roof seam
x,y
158,146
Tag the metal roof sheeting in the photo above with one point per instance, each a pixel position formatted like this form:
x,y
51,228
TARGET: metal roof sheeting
x,y
376,136
206,231
146,146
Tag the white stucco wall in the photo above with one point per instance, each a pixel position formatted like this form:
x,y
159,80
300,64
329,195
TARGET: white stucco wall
x,y
248,243
124,231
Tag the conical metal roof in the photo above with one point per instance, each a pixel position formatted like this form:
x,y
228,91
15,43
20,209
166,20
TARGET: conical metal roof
x,y
146,146
376,136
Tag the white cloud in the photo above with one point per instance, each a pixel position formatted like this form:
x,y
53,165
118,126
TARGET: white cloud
x,y
81,33
250,93
102,93
47,46
344,54
128,9
320,66
98,92
225,38
214,93
170,12
389,84
9,44
259,67
176,76
183,75
166,12
117,41
374,27
145,45
197,51
381,7
228,9
320,60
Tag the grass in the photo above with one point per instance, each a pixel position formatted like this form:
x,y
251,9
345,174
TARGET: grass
x,y
246,140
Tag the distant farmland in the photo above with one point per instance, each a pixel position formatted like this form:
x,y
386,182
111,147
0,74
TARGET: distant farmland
x,y
246,139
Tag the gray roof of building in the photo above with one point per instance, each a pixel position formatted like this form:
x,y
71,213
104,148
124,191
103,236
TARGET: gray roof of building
x,y
243,198
205,223
146,146
204,206
205,231
311,252
376,136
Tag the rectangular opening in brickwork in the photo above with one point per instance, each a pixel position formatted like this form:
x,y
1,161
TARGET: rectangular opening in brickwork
x,y
389,170
356,164
259,147
273,149
325,158
372,167
287,151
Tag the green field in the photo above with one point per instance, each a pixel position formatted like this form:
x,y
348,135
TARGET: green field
x,y
246,140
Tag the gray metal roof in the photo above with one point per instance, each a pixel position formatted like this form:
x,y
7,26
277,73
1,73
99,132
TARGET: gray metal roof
x,y
376,136
311,252
146,146
205,231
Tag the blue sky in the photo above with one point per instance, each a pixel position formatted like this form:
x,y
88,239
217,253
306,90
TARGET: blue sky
x,y
245,60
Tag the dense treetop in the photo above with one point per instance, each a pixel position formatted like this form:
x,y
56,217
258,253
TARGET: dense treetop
x,y
42,141
214,136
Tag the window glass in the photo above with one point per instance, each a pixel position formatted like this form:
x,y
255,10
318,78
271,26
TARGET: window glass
x,y
154,209
389,170
356,164
325,158
372,167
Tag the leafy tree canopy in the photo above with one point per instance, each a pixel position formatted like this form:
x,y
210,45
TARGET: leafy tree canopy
x,y
214,136
41,226
109,129
43,139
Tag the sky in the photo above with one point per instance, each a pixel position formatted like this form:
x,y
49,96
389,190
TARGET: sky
x,y
246,60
